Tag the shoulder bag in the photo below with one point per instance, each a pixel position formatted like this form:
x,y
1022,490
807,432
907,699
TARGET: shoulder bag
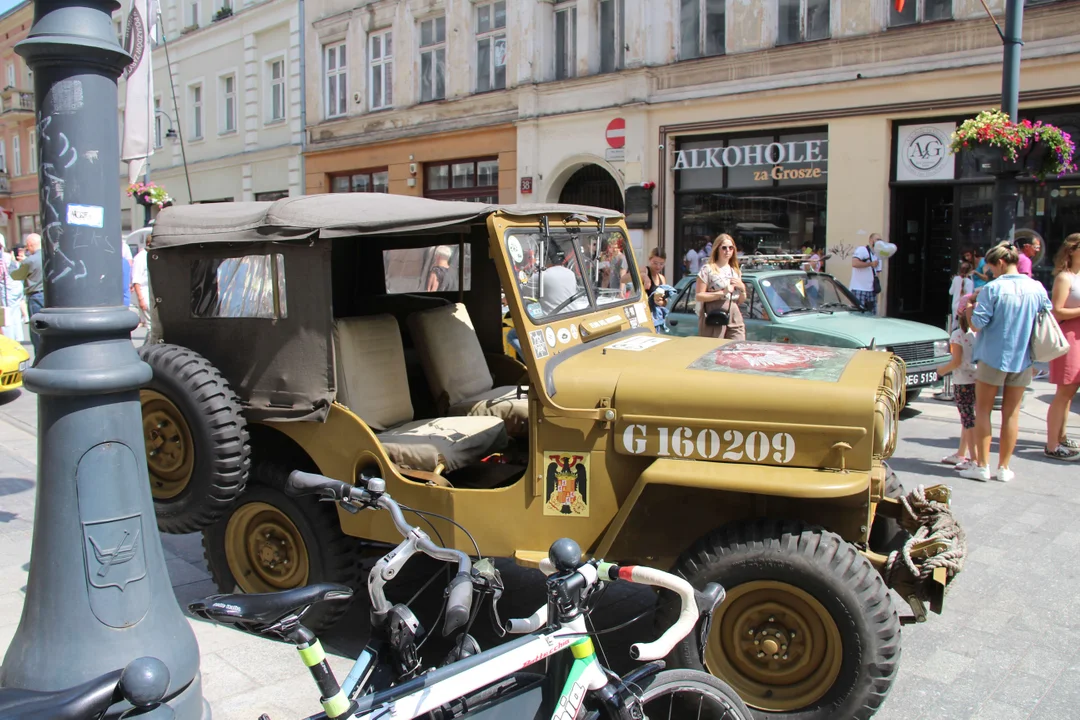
x,y
718,318
870,259
1047,341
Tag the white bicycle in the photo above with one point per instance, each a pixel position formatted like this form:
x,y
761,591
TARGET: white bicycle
x,y
388,679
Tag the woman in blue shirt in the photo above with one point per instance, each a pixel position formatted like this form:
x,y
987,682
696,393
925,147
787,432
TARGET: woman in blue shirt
x,y
982,274
1004,317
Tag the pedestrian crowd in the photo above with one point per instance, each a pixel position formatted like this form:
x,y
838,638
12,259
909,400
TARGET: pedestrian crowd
x,y
22,287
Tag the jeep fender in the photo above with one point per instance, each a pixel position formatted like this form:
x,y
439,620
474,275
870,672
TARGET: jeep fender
x,y
676,502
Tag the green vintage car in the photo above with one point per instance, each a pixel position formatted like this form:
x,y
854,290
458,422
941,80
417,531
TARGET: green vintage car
x,y
793,306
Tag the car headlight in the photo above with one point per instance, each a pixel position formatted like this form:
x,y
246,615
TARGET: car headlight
x,y
886,424
941,347
23,365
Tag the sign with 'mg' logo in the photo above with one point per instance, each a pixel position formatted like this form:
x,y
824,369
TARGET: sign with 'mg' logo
x,y
922,152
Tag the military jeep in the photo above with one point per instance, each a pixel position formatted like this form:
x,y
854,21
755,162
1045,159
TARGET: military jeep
x,y
362,335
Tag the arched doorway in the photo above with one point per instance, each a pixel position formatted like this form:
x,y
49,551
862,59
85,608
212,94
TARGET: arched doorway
x,y
592,185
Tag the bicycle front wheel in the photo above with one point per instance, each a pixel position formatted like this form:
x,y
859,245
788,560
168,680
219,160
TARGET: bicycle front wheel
x,y
690,695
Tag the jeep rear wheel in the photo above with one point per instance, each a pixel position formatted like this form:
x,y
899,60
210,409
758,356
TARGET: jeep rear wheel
x,y
196,440
807,630
272,542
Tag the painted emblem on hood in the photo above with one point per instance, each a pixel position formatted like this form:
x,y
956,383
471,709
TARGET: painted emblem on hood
x,y
804,362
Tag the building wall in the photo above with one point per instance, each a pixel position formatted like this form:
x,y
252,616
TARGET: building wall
x,y
18,186
259,154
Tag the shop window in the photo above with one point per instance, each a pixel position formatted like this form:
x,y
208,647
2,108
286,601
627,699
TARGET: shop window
x,y
433,59
803,20
381,69
919,11
491,46
246,287
362,181
612,34
755,161
565,40
271,196
468,180
701,28
436,268
336,78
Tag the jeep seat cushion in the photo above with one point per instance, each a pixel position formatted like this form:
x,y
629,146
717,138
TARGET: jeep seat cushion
x,y
450,354
371,377
455,441
500,402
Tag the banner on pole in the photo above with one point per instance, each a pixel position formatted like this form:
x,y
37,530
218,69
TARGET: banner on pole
x,y
139,34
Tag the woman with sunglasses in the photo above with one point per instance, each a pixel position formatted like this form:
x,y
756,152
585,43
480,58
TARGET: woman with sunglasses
x,y
719,287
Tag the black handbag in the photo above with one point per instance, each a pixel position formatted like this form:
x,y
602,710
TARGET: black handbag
x,y
719,318
877,282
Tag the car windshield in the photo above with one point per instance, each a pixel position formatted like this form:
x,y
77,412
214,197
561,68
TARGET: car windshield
x,y
801,293
566,272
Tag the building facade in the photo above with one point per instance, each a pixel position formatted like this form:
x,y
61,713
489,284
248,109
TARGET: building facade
x,y
786,123
227,91
18,135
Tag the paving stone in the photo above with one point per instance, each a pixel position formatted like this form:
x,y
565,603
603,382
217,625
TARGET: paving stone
x,y
943,666
182,572
1024,690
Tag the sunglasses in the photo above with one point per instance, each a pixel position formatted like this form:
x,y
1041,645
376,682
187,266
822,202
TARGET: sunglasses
x,y
727,247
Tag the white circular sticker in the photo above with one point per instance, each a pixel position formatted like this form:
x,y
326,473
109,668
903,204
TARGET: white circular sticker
x,y
573,331
513,245
564,335
549,335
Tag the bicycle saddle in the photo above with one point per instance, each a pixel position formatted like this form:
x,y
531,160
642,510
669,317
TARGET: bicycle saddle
x,y
143,683
266,608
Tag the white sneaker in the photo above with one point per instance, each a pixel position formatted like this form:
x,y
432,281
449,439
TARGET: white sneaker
x,y
1004,474
975,472
954,459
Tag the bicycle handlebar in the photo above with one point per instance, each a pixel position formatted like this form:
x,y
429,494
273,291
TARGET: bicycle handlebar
x,y
460,591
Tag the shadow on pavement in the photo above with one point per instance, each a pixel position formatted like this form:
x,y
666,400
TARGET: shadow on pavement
x,y
14,486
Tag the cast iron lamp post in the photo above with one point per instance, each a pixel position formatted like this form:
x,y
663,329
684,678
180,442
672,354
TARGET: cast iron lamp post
x,y
98,594
1006,189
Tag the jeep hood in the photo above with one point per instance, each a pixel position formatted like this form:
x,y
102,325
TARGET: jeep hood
x,y
862,329
709,399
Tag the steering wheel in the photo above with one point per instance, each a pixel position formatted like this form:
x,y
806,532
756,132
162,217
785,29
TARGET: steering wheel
x,y
566,302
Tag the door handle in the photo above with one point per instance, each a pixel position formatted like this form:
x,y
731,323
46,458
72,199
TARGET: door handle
x,y
672,322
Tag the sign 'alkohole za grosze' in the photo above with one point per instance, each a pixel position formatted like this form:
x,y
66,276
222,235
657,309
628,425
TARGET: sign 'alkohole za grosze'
x,y
777,153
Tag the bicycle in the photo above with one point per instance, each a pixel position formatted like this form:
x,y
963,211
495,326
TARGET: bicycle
x,y
389,681
142,684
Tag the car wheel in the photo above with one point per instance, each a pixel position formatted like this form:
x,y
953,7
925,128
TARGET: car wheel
x,y
807,630
271,542
196,439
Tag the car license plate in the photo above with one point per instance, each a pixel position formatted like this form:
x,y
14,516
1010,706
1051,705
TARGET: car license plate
x,y
918,379
23,365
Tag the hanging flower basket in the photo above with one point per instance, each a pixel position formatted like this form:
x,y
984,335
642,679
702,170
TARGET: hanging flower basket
x,y
149,194
1001,146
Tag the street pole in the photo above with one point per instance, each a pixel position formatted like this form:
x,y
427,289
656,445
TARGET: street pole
x,y
1006,189
98,594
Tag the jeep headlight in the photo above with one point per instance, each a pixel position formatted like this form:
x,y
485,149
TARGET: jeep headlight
x,y
941,347
886,423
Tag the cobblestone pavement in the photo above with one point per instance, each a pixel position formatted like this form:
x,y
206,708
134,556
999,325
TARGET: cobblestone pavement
x,y
1008,645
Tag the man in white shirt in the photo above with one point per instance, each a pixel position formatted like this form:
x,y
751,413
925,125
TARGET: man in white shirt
x,y
558,285
865,265
140,282
693,262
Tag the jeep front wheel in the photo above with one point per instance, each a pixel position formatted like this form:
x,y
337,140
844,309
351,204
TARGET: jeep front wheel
x,y
196,439
807,630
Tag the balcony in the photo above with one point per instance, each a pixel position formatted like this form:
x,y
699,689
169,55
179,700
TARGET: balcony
x,y
5,183
17,101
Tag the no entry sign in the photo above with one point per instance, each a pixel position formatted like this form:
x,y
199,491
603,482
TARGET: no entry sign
x,y
616,133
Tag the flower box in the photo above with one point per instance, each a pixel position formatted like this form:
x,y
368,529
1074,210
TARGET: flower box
x,y
1002,147
993,160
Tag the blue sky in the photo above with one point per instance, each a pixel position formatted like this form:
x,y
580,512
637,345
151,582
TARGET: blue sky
x,y
6,5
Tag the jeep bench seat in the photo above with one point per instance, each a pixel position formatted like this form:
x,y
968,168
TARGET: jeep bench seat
x,y
457,371
371,382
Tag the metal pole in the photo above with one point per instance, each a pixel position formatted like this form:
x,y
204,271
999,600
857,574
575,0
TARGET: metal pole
x,y
98,594
1006,189
176,108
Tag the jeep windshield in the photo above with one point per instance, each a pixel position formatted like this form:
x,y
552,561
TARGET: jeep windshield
x,y
570,271
793,293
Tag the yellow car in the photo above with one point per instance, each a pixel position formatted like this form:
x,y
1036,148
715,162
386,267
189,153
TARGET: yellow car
x,y
13,361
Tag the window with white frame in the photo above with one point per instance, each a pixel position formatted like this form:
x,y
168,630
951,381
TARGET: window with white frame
x,y
3,156
433,59
381,69
275,105
803,20
919,11
701,28
612,30
16,157
193,13
228,104
565,40
491,46
11,74
336,73
157,122
31,145
195,94
118,26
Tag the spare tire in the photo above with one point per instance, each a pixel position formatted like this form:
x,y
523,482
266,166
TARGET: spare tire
x,y
197,450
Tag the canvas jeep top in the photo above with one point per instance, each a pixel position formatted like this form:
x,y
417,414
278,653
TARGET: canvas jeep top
x,y
361,334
